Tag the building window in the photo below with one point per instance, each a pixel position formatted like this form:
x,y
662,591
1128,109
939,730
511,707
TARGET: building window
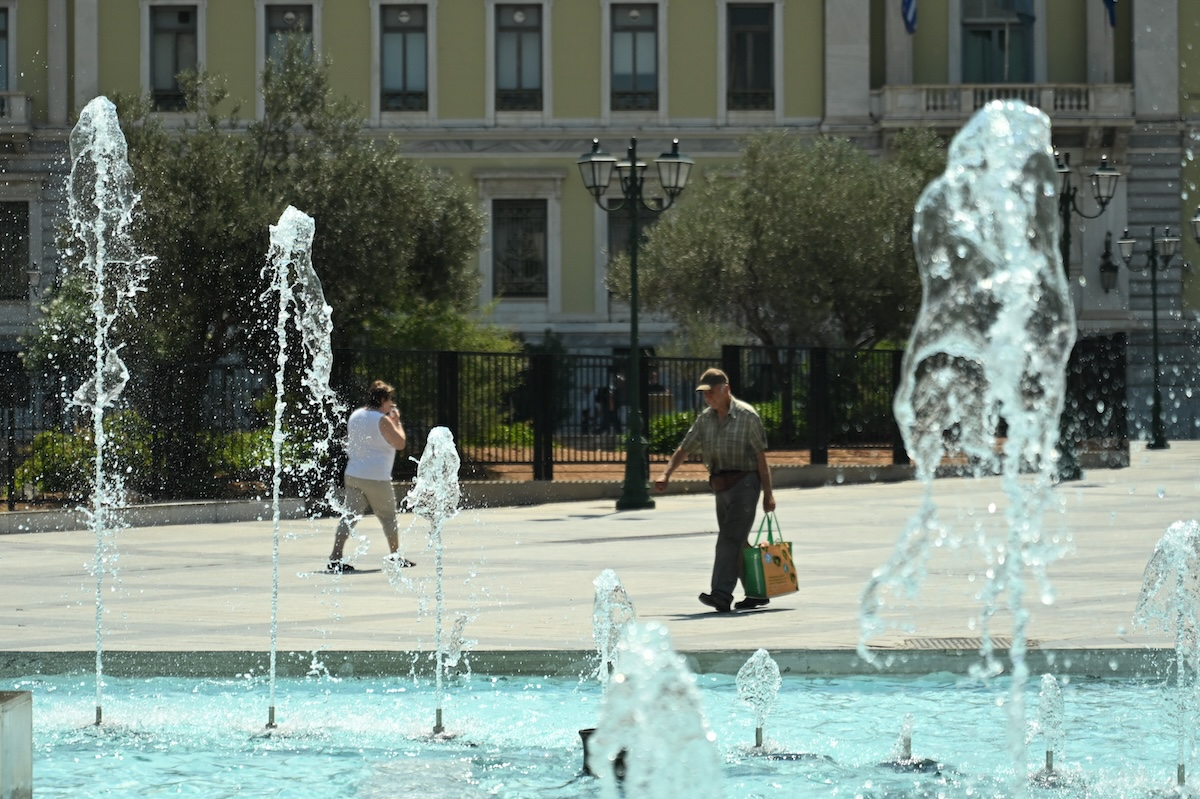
x,y
618,227
634,58
172,50
403,48
997,41
4,69
283,21
751,58
14,250
519,248
518,58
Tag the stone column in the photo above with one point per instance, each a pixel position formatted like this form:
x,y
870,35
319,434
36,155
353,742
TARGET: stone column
x,y
1156,59
87,52
847,63
1099,45
58,71
899,47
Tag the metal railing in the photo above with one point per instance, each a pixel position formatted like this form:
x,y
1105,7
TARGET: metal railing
x,y
540,410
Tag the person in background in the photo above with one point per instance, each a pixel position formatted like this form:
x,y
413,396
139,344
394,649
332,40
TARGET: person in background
x,y
373,437
730,439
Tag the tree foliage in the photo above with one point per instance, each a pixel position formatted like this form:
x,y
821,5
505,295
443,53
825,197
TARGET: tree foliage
x,y
800,244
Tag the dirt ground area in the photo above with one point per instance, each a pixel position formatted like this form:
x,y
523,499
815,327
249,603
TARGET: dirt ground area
x,y
690,470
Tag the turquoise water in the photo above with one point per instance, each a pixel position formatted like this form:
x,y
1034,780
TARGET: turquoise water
x,y
518,737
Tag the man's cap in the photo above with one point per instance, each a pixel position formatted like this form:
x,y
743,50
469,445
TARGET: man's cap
x,y
711,379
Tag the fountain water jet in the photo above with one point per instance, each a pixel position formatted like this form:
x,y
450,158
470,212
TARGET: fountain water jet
x,y
758,684
1170,601
294,285
434,497
612,612
651,712
991,343
101,202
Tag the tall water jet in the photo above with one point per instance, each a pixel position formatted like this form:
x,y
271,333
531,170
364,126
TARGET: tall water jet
x,y
434,497
1050,719
990,344
295,289
651,712
612,612
101,202
758,682
1170,601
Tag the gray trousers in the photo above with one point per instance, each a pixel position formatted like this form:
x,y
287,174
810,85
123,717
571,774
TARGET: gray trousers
x,y
736,510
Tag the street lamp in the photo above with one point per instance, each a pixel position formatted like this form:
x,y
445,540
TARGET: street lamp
x,y
596,169
1104,187
1167,245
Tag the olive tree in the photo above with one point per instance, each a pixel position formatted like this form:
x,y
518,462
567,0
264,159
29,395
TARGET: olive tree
x,y
800,243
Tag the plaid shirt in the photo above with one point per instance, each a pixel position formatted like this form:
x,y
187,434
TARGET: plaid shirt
x,y
730,443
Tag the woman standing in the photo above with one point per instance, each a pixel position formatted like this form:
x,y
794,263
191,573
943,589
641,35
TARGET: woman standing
x,y
373,436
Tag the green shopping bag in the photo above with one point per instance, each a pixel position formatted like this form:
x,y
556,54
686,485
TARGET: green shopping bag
x,y
767,566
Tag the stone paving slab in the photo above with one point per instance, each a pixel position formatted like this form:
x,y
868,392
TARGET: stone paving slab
x,y
523,576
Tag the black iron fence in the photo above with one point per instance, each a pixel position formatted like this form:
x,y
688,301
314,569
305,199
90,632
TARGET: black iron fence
x,y
539,409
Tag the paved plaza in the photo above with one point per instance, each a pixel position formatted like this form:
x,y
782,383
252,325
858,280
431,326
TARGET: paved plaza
x,y
523,576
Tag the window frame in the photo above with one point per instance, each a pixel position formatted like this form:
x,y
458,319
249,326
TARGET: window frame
x,y
400,116
734,116
955,44
635,94
530,314
12,84
147,43
500,116
544,205
28,189
260,39
658,115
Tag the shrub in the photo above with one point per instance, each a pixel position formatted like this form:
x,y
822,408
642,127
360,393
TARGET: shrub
x,y
667,430
62,463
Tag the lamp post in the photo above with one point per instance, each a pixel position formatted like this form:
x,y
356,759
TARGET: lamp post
x,y
1167,245
1104,187
596,169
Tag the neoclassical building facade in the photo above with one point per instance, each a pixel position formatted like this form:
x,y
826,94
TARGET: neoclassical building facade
x,y
507,95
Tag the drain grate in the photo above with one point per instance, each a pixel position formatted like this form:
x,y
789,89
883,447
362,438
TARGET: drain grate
x,y
998,642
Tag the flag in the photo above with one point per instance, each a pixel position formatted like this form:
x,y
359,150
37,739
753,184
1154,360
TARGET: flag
x,y
1111,5
908,10
1022,8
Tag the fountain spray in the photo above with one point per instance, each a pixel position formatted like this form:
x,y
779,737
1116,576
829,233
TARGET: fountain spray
x,y
434,497
101,201
612,611
1170,601
1050,718
991,343
758,683
294,284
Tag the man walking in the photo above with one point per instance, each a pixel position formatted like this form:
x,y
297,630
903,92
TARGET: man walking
x,y
730,439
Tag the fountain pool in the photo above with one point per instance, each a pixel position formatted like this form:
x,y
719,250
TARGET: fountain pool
x,y
518,737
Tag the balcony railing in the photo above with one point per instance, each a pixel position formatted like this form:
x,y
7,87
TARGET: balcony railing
x,y
929,103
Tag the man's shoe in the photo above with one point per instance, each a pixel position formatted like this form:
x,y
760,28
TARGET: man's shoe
x,y
400,562
719,605
339,567
752,602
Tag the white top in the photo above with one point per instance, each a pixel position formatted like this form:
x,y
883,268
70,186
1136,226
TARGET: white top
x,y
371,456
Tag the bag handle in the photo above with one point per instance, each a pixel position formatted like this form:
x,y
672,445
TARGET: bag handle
x,y
769,521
